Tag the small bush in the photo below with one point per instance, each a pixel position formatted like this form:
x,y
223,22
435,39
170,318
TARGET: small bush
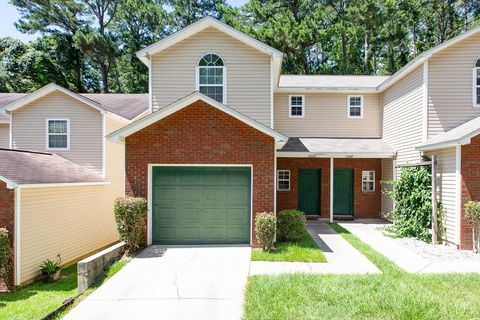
x,y
472,214
4,254
265,229
130,216
290,225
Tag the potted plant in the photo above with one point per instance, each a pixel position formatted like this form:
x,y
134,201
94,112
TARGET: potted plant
x,y
51,269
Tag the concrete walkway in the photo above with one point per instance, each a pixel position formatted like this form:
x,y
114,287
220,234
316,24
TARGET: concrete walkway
x,y
405,258
342,258
173,283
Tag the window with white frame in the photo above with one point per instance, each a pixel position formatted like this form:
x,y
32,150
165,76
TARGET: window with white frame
x,y
476,84
58,134
283,180
368,181
355,106
211,77
296,106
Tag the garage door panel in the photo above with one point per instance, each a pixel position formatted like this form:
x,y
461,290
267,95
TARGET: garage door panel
x,y
201,205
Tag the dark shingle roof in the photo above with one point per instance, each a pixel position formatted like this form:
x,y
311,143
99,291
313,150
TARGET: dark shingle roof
x,y
127,106
355,146
29,167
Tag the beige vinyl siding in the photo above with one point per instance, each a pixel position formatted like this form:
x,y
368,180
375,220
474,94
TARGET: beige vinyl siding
x,y
450,86
4,136
70,221
248,73
403,116
326,116
387,174
446,189
114,158
29,128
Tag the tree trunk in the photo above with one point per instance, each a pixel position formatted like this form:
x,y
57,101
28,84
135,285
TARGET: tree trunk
x,y
103,69
367,53
344,53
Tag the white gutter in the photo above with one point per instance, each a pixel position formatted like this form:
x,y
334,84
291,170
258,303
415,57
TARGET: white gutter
x,y
73,184
292,154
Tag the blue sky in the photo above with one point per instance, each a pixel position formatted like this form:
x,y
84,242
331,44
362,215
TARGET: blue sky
x,y
10,14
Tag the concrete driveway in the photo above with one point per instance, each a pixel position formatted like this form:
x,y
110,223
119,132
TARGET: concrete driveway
x,y
173,283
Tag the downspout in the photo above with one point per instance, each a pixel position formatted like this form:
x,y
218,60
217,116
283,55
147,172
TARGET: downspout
x,y
331,190
17,243
434,201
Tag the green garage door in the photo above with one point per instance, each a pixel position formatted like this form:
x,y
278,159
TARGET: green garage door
x,y
200,205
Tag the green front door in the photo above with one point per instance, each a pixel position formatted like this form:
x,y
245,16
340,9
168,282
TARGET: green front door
x,y
200,205
308,191
343,192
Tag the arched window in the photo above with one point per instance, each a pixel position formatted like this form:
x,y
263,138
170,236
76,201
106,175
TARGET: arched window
x,y
211,77
476,84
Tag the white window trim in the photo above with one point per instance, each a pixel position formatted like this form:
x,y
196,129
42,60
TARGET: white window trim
x,y
361,107
278,180
197,76
47,134
290,105
374,187
474,85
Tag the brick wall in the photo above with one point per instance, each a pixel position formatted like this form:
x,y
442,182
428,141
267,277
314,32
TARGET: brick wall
x,y
202,134
7,216
365,204
470,186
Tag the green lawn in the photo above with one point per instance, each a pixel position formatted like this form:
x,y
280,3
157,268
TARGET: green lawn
x,y
304,250
394,294
39,299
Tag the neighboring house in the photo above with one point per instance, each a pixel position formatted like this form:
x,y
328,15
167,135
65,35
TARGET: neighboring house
x,y
57,198
227,136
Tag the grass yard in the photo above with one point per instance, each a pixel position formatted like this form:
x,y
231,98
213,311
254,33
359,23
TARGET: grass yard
x,y
394,294
38,299
304,250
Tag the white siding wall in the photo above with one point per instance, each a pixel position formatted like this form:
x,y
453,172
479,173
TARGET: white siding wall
x,y
446,189
450,86
403,116
387,174
326,116
4,136
248,73
29,128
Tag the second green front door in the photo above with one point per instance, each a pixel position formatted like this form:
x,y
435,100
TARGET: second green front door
x,y
343,192
309,191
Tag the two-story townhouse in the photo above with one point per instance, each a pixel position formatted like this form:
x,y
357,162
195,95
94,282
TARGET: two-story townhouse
x,y
57,197
227,136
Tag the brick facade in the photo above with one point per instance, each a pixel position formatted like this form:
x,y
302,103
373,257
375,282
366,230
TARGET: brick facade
x,y
7,216
202,134
365,204
470,186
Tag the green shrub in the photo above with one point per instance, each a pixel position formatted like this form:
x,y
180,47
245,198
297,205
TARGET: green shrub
x,y
5,254
130,216
265,229
412,194
290,225
472,214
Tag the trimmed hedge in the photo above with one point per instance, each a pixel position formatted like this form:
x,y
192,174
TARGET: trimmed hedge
x,y
290,225
130,214
265,229
472,214
4,254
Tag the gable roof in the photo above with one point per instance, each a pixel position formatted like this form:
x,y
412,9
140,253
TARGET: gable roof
x,y
457,136
421,58
198,26
138,125
21,167
126,106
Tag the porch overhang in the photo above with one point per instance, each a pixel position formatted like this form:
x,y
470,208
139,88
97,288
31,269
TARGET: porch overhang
x,y
335,148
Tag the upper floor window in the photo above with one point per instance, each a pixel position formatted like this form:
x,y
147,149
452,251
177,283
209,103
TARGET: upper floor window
x,y
476,84
58,134
296,106
211,77
355,106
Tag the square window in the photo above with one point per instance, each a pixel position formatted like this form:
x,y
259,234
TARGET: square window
x,y
296,106
283,180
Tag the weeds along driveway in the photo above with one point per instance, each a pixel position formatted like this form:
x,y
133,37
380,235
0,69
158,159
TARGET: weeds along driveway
x,y
173,283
